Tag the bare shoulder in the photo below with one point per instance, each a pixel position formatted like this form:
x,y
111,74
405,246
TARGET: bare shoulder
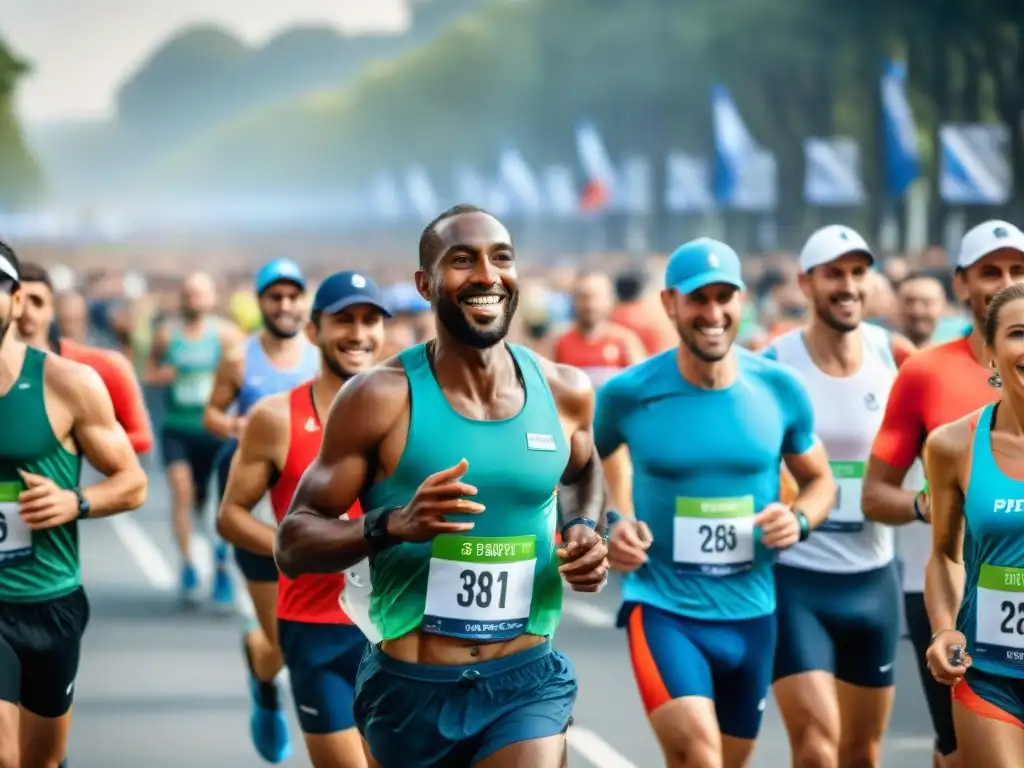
x,y
77,385
374,398
230,334
950,442
269,422
119,362
570,386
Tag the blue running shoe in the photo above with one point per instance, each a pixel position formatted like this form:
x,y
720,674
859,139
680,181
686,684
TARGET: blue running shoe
x,y
223,590
189,584
267,724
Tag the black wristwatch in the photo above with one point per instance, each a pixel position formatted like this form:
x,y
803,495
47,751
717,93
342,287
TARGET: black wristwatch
x,y
375,528
84,507
805,524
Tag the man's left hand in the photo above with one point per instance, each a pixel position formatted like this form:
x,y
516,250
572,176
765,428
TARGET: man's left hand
x,y
585,558
44,504
779,527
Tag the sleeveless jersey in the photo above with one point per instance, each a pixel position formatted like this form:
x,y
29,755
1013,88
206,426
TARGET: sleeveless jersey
x,y
313,598
599,358
262,378
848,411
35,566
501,579
196,362
992,612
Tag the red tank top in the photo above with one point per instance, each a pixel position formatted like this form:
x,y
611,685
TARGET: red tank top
x,y
313,598
600,358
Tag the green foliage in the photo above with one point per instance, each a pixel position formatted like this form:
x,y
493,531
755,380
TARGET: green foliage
x,y
20,180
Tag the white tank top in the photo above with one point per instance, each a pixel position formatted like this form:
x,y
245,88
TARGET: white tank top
x,y
847,413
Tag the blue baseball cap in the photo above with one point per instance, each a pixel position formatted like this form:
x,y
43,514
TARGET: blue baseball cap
x,y
404,299
702,262
345,289
276,271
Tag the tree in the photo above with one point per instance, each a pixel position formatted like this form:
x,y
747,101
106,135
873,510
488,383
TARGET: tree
x,y
20,179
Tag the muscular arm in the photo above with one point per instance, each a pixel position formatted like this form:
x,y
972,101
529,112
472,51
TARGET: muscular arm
x,y
102,440
610,444
312,538
804,455
575,398
158,372
944,574
896,445
226,385
261,450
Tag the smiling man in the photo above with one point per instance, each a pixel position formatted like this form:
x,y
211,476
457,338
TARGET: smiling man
x,y
838,593
698,543
456,449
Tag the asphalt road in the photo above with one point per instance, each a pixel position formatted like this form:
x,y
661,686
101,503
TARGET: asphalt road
x,y
160,688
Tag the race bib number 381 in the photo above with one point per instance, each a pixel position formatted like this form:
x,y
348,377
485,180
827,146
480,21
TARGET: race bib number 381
x,y
15,536
480,588
714,537
999,635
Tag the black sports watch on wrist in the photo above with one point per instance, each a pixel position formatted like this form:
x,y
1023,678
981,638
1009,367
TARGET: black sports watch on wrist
x,y
805,524
84,507
375,528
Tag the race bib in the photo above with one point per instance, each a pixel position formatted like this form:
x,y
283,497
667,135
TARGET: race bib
x,y
999,633
714,537
15,536
193,389
480,588
846,515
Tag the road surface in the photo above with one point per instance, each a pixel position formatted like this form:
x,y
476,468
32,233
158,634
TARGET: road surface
x,y
164,689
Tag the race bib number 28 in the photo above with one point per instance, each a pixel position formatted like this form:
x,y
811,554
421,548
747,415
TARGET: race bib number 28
x,y
999,634
714,537
480,588
15,536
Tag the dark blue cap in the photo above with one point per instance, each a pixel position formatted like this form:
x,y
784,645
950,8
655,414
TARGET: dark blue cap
x,y
345,289
702,262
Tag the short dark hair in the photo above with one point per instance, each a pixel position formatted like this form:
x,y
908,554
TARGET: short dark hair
x,y
315,317
428,239
942,276
630,285
1000,300
31,272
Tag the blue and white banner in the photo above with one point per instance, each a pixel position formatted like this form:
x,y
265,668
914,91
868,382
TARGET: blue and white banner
x,y
601,176
387,203
637,183
975,166
421,193
901,155
688,184
746,174
520,181
832,175
560,190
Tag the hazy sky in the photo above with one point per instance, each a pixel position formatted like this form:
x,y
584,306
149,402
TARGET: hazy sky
x,y
83,49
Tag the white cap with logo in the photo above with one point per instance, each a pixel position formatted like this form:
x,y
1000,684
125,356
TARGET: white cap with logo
x,y
988,237
829,243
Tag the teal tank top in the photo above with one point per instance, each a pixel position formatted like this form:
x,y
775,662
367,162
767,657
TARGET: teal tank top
x,y
196,362
501,580
992,613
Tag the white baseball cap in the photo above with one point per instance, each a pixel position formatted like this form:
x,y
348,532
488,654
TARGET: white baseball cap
x,y
986,238
829,243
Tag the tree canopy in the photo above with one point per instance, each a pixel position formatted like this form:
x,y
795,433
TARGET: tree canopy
x,y
20,179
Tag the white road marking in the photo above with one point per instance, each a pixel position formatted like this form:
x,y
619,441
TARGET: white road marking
x,y
590,615
144,551
595,750
911,743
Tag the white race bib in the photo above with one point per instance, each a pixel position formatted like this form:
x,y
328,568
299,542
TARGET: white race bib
x,y
714,537
846,515
15,536
480,588
999,633
193,389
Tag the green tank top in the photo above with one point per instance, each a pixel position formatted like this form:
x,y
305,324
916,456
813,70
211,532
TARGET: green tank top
x,y
35,566
501,580
196,362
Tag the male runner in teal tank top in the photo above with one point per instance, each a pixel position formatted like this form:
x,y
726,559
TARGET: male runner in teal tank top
x,y
456,449
53,412
184,359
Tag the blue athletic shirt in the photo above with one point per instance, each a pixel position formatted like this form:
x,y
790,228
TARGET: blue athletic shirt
x,y
704,462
